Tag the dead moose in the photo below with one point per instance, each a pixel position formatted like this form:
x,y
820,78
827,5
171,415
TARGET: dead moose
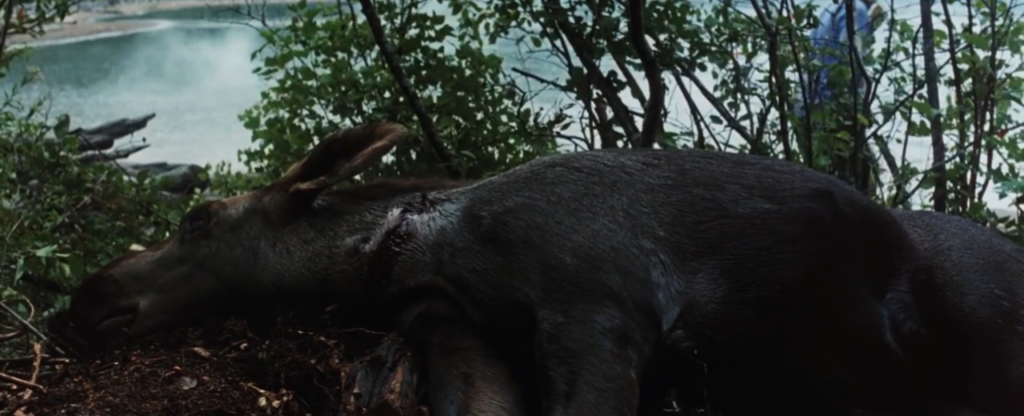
x,y
578,264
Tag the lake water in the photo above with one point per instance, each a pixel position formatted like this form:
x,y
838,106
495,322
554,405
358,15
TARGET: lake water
x,y
196,77
194,71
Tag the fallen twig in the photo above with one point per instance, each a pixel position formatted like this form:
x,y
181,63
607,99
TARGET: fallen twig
x,y
21,382
10,336
21,320
31,308
38,349
36,364
27,325
30,358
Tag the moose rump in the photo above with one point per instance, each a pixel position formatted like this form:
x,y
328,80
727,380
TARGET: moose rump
x,y
967,314
587,262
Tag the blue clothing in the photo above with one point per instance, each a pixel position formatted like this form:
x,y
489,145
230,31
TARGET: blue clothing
x,y
829,41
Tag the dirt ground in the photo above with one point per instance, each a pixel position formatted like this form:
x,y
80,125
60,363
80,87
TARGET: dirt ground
x,y
223,368
295,364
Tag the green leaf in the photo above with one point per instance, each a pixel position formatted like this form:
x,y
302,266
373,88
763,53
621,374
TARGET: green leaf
x,y
63,125
924,108
863,119
975,40
65,270
45,251
19,270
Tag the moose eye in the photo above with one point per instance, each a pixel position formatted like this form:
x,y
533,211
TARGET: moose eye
x,y
192,223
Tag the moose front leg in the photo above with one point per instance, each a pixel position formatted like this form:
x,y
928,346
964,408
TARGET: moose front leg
x,y
466,379
464,376
590,362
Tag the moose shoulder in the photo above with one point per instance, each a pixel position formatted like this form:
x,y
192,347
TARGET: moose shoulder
x,y
584,261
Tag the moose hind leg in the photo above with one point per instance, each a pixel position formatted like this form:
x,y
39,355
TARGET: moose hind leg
x,y
589,363
464,376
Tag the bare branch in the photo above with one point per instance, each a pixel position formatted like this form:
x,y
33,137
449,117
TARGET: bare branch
x,y
429,129
542,80
22,321
575,39
931,75
8,15
931,169
695,113
804,94
21,382
634,87
730,119
656,102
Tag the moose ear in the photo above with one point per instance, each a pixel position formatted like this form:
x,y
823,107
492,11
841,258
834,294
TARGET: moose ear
x,y
340,156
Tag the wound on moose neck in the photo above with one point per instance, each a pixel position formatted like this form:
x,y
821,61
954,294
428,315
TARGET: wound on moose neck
x,y
400,227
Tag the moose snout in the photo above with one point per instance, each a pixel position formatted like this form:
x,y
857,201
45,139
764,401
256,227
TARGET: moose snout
x,y
101,310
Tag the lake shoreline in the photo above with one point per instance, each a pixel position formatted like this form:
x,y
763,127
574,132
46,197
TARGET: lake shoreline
x,y
92,23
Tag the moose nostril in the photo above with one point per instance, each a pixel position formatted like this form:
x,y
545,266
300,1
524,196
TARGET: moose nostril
x,y
116,318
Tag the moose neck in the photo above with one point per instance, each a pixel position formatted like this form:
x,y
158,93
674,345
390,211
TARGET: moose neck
x,y
310,263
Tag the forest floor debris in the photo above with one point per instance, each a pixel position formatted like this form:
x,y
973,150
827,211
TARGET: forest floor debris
x,y
296,364
219,368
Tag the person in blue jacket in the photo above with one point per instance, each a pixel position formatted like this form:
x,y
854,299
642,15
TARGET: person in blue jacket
x,y
829,42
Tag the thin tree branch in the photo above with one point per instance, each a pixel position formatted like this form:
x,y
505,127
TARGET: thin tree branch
x,y
634,87
776,78
542,80
656,102
429,129
619,110
699,120
730,119
930,169
958,93
21,382
8,15
808,146
932,86
22,321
